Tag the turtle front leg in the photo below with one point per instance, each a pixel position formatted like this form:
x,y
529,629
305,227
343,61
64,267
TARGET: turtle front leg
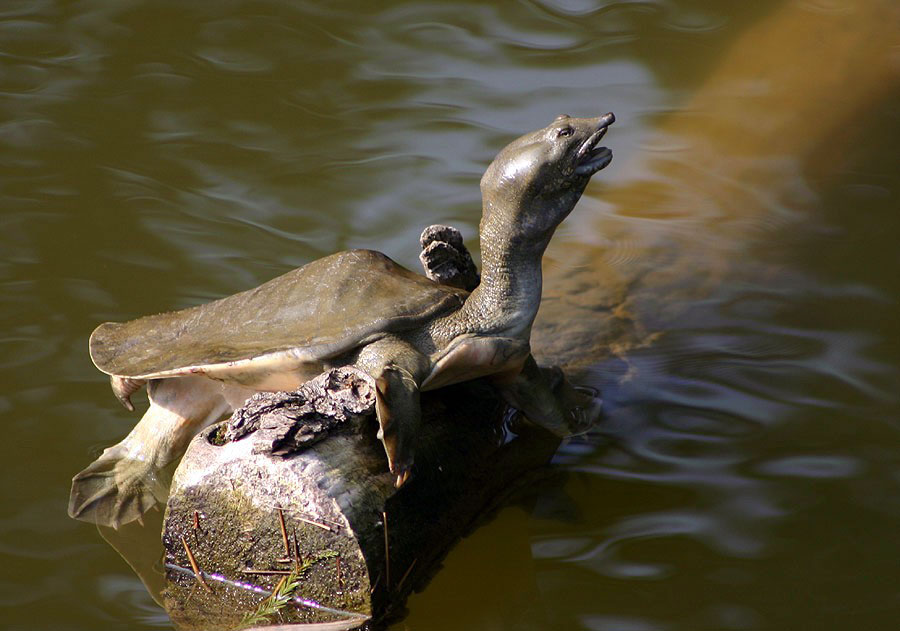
x,y
446,259
398,369
548,399
126,480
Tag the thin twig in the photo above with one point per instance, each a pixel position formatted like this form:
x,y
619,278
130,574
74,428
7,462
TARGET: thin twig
x,y
406,573
266,571
194,566
387,551
340,575
278,586
284,537
314,523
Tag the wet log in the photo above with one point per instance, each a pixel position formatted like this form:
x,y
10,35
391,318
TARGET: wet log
x,y
299,482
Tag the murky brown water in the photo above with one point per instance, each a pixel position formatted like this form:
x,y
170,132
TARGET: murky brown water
x,y
160,154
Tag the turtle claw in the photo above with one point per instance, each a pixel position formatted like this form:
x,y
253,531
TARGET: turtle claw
x,y
400,461
399,465
402,477
114,491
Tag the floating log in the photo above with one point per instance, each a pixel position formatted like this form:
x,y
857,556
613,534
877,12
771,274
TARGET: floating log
x,y
299,482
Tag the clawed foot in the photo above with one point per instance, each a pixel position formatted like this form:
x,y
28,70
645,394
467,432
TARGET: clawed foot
x,y
400,465
401,475
400,460
550,400
586,411
582,404
114,491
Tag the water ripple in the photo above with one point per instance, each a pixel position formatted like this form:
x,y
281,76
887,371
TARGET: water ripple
x,y
622,623
818,466
35,532
232,60
157,154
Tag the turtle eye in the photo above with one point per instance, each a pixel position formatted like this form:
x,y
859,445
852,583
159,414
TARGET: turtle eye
x,y
564,131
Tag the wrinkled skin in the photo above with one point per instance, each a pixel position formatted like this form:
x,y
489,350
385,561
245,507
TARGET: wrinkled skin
x,y
356,308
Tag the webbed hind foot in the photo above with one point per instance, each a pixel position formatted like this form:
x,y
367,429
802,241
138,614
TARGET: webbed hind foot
x,y
127,479
115,490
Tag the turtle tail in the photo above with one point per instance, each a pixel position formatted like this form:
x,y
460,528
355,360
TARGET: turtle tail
x,y
116,489
124,387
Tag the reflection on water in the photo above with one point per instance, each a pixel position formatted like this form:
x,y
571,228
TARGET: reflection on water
x,y
729,282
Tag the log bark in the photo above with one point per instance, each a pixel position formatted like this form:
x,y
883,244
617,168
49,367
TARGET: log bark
x,y
299,480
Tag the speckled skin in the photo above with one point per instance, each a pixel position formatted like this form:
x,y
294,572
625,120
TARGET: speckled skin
x,y
356,308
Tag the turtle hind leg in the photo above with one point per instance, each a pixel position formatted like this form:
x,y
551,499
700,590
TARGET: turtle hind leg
x,y
127,479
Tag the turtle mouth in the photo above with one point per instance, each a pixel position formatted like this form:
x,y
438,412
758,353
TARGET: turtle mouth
x,y
590,157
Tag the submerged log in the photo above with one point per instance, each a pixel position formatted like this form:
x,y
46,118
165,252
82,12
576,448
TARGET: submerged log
x,y
298,481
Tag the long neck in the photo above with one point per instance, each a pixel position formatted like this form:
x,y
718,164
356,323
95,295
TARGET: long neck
x,y
507,300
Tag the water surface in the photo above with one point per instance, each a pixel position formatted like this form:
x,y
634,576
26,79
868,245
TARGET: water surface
x,y
156,155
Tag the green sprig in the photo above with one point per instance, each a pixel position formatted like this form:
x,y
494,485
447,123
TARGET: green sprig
x,y
276,601
283,593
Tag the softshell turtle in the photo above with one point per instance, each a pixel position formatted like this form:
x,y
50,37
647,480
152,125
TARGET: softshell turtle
x,y
357,308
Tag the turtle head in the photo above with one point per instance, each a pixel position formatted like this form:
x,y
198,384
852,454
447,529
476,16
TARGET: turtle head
x,y
536,180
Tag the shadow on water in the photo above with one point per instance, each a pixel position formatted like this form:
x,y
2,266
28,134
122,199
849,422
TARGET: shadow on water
x,y
729,282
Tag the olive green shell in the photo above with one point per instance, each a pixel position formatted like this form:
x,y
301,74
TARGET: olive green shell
x,y
320,310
